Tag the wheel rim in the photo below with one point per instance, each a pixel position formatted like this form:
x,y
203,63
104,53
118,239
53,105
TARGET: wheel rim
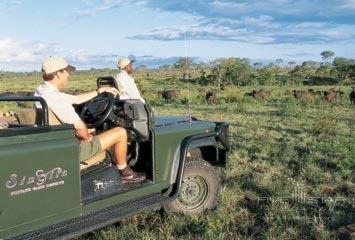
x,y
194,192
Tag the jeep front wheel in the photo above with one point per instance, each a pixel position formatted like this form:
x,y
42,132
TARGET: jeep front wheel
x,y
199,189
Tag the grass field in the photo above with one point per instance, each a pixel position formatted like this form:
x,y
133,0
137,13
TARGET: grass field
x,y
291,173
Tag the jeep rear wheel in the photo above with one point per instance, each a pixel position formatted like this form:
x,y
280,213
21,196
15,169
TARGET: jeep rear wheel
x,y
199,189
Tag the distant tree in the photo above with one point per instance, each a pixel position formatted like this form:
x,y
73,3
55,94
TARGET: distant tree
x,y
310,64
183,64
165,67
265,75
279,61
327,55
291,63
202,69
304,71
324,71
352,74
258,64
231,71
344,68
243,71
142,67
271,65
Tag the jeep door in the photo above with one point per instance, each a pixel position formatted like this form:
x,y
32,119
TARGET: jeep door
x,y
39,177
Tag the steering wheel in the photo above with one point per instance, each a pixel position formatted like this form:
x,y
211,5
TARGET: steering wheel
x,y
97,110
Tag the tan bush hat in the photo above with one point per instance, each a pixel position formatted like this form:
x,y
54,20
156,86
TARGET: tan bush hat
x,y
53,64
123,62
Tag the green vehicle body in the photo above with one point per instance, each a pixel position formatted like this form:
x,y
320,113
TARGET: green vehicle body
x,y
40,178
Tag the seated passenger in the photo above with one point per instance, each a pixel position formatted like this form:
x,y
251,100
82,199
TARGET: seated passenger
x,y
55,72
125,82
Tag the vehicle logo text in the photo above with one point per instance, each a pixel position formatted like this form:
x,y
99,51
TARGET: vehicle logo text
x,y
40,180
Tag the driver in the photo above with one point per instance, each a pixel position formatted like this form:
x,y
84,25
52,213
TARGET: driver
x,y
125,82
55,73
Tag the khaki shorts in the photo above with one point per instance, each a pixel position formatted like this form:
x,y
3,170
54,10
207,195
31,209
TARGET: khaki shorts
x,y
89,149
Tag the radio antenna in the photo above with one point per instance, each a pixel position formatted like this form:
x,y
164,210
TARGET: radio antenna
x,y
187,79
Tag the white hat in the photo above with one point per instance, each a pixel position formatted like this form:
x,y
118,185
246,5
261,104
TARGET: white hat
x,y
53,64
123,62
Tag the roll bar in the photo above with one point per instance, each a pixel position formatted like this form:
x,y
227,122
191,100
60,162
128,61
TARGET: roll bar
x,y
30,99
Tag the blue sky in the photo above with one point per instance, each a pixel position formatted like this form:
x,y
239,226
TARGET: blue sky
x,y
93,33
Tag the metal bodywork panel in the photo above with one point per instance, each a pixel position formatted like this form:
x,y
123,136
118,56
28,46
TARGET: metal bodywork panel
x,y
99,218
207,141
162,121
39,179
168,139
214,146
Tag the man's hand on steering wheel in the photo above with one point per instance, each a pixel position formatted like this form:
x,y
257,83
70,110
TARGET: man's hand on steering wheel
x,y
98,109
112,90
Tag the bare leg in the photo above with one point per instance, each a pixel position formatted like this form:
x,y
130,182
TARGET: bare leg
x,y
116,137
120,153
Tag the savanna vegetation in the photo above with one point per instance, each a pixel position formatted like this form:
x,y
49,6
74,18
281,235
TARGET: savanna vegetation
x,y
291,173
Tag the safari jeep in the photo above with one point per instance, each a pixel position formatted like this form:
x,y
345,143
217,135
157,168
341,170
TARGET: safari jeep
x,y
47,193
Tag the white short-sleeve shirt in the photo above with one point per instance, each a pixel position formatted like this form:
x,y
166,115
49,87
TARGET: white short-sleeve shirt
x,y
60,103
127,86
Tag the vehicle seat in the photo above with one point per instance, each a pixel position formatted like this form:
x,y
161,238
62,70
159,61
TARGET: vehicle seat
x,y
95,160
53,119
32,116
98,158
27,116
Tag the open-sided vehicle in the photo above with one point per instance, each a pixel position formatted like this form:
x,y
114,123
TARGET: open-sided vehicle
x,y
46,193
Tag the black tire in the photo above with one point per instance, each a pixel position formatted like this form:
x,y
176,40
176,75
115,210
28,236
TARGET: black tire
x,y
199,189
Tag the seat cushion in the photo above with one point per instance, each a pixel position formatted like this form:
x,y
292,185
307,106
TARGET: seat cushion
x,y
27,116
98,158
53,119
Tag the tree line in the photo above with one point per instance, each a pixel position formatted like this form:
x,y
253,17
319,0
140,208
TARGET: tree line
x,y
242,72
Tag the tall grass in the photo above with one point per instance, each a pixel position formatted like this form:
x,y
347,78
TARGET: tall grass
x,y
291,173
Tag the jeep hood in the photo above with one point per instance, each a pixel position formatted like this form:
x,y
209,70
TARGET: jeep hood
x,y
170,120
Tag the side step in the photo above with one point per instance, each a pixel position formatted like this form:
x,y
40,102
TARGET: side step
x,y
109,182
95,220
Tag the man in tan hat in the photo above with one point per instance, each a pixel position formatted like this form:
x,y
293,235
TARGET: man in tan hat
x,y
125,82
55,72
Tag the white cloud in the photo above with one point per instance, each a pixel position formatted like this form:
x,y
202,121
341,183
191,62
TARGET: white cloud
x,y
6,5
88,2
261,21
270,21
259,30
25,52
203,31
335,34
83,13
12,3
229,6
20,55
111,4
280,1
348,4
